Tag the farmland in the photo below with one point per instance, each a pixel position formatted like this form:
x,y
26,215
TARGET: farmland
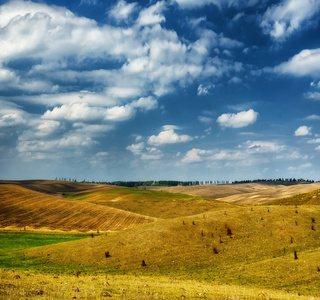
x,y
142,244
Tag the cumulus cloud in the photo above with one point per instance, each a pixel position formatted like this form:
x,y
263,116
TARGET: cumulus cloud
x,y
145,153
283,19
152,15
193,155
168,136
122,10
303,131
239,120
145,103
136,148
305,63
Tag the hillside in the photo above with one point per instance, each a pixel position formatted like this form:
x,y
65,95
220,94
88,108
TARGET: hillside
x,y
242,245
21,207
274,246
244,193
156,204
53,187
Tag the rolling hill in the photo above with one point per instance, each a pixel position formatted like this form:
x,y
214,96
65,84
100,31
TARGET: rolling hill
x,y
157,234
244,193
242,245
21,207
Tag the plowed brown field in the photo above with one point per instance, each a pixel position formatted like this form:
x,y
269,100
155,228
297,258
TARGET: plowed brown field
x,y
21,207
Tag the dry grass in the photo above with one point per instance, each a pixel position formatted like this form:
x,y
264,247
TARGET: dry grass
x,y
32,285
183,247
151,203
248,194
53,187
21,207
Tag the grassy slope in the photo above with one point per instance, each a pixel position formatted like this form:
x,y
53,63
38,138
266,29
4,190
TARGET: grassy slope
x,y
260,251
52,187
32,285
311,198
21,207
150,203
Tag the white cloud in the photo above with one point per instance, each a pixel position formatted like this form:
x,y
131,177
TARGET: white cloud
x,y
303,131
205,89
283,19
170,127
119,113
75,112
312,118
146,103
313,96
305,63
122,10
168,137
239,120
153,14
263,147
205,120
145,153
194,155
314,141
65,143
302,166
136,148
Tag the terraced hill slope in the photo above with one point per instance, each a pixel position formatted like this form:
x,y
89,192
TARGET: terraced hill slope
x,y
21,207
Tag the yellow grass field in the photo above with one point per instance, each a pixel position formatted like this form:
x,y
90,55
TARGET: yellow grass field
x,y
161,245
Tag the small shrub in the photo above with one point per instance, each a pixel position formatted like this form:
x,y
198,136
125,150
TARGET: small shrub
x,y
229,232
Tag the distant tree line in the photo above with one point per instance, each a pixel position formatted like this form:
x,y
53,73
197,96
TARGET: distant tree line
x,y
65,179
135,184
279,180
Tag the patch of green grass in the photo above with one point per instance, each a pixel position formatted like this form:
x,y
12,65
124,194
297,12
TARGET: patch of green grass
x,y
13,242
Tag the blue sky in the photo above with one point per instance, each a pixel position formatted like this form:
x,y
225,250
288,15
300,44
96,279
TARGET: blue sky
x,y
151,90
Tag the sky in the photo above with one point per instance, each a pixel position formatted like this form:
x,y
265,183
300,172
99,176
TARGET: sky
x,y
109,90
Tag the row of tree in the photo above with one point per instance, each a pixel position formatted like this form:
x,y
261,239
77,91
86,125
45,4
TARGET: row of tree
x,y
187,183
